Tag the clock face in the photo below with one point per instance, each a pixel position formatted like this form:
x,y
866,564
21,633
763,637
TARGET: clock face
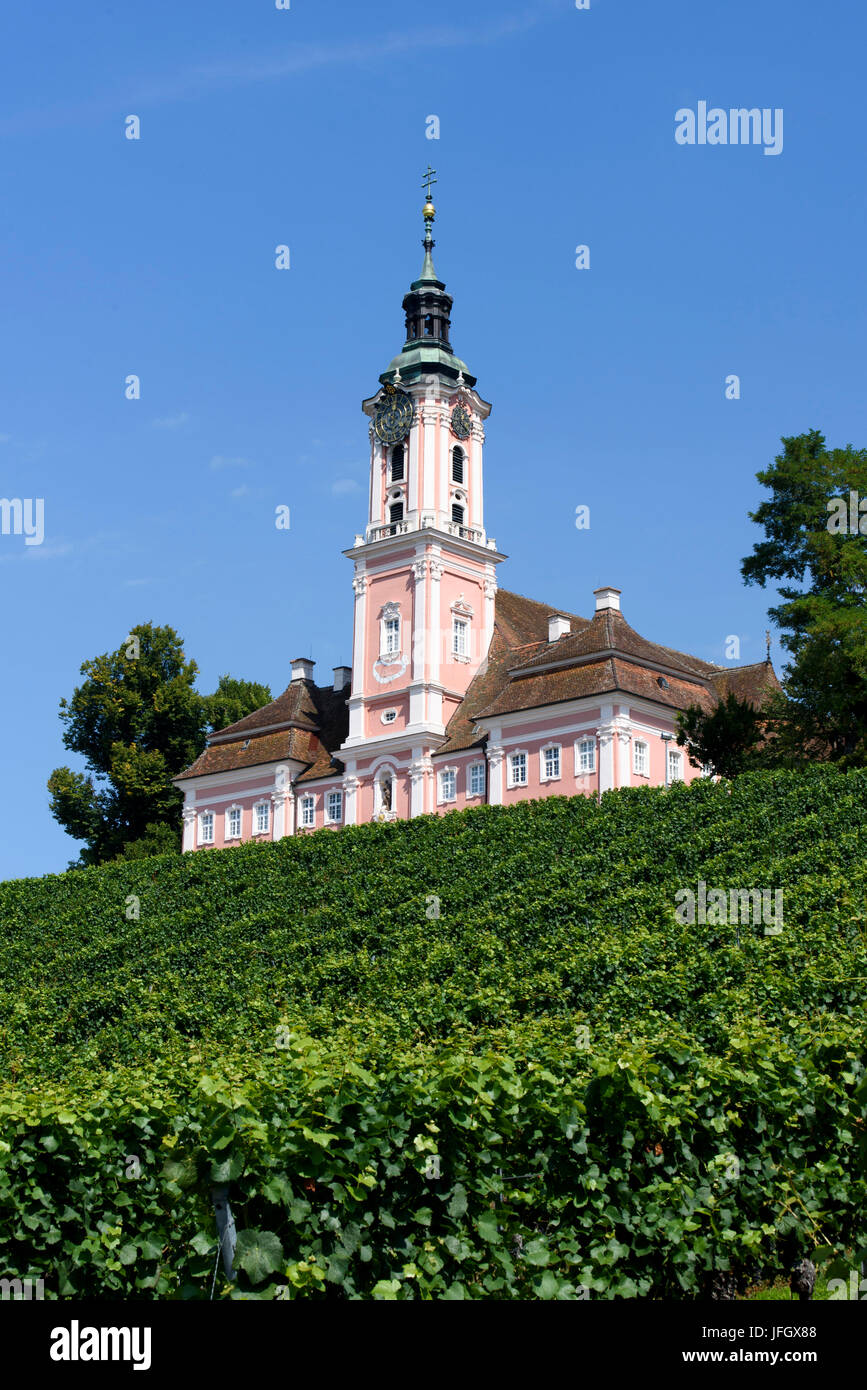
x,y
461,422
393,417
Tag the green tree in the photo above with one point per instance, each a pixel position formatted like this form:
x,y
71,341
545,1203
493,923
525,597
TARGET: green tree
x,y
137,721
157,839
811,546
726,740
232,700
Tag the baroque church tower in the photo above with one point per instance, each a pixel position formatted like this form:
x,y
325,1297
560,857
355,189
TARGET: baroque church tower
x,y
425,569
460,692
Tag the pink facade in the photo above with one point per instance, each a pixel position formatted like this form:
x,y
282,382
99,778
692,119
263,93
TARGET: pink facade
x,y
461,693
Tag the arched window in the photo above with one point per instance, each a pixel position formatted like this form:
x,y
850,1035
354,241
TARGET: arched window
x,y
457,514
397,460
458,460
428,325
395,512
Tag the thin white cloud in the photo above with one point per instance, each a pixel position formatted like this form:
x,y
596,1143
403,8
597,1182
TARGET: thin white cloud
x,y
171,422
224,461
343,485
308,57
239,491
198,79
48,552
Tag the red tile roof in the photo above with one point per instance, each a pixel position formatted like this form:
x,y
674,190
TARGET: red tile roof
x,y
610,632
306,723
602,656
752,683
520,632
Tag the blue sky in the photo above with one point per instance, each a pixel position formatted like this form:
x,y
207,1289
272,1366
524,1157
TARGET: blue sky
x,y
307,127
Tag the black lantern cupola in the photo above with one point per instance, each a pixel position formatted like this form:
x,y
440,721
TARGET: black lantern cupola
x,y
428,309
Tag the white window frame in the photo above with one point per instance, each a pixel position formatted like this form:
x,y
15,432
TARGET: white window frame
x,y
308,801
475,767
544,775
388,716
266,807
460,637
450,773
579,744
231,812
511,780
641,743
329,795
390,638
211,818
675,766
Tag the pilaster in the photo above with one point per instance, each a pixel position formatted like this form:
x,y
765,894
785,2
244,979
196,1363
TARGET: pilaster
x,y
476,441
351,785
496,754
436,574
420,772
189,840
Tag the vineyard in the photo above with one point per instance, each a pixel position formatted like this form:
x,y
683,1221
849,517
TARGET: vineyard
x,y
475,1056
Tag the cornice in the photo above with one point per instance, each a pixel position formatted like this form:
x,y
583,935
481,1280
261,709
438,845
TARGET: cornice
x,y
471,549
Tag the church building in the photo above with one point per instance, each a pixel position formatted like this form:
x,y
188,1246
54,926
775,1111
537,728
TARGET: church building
x,y
460,692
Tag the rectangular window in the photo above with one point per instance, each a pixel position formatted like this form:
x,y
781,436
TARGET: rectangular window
x,y
551,762
586,756
334,807
640,759
457,514
263,818
206,828
392,636
460,628
518,770
233,823
448,785
673,767
477,779
308,810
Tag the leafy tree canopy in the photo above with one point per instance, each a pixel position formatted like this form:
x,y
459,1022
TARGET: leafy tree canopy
x,y
815,548
137,720
726,740
232,700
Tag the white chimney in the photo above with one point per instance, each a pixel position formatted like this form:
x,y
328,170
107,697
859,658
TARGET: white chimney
x,y
558,626
342,677
607,598
302,669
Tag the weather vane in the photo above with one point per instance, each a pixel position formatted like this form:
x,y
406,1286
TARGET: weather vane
x,y
428,180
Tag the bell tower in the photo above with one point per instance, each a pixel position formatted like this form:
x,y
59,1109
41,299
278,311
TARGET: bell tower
x,y
425,569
